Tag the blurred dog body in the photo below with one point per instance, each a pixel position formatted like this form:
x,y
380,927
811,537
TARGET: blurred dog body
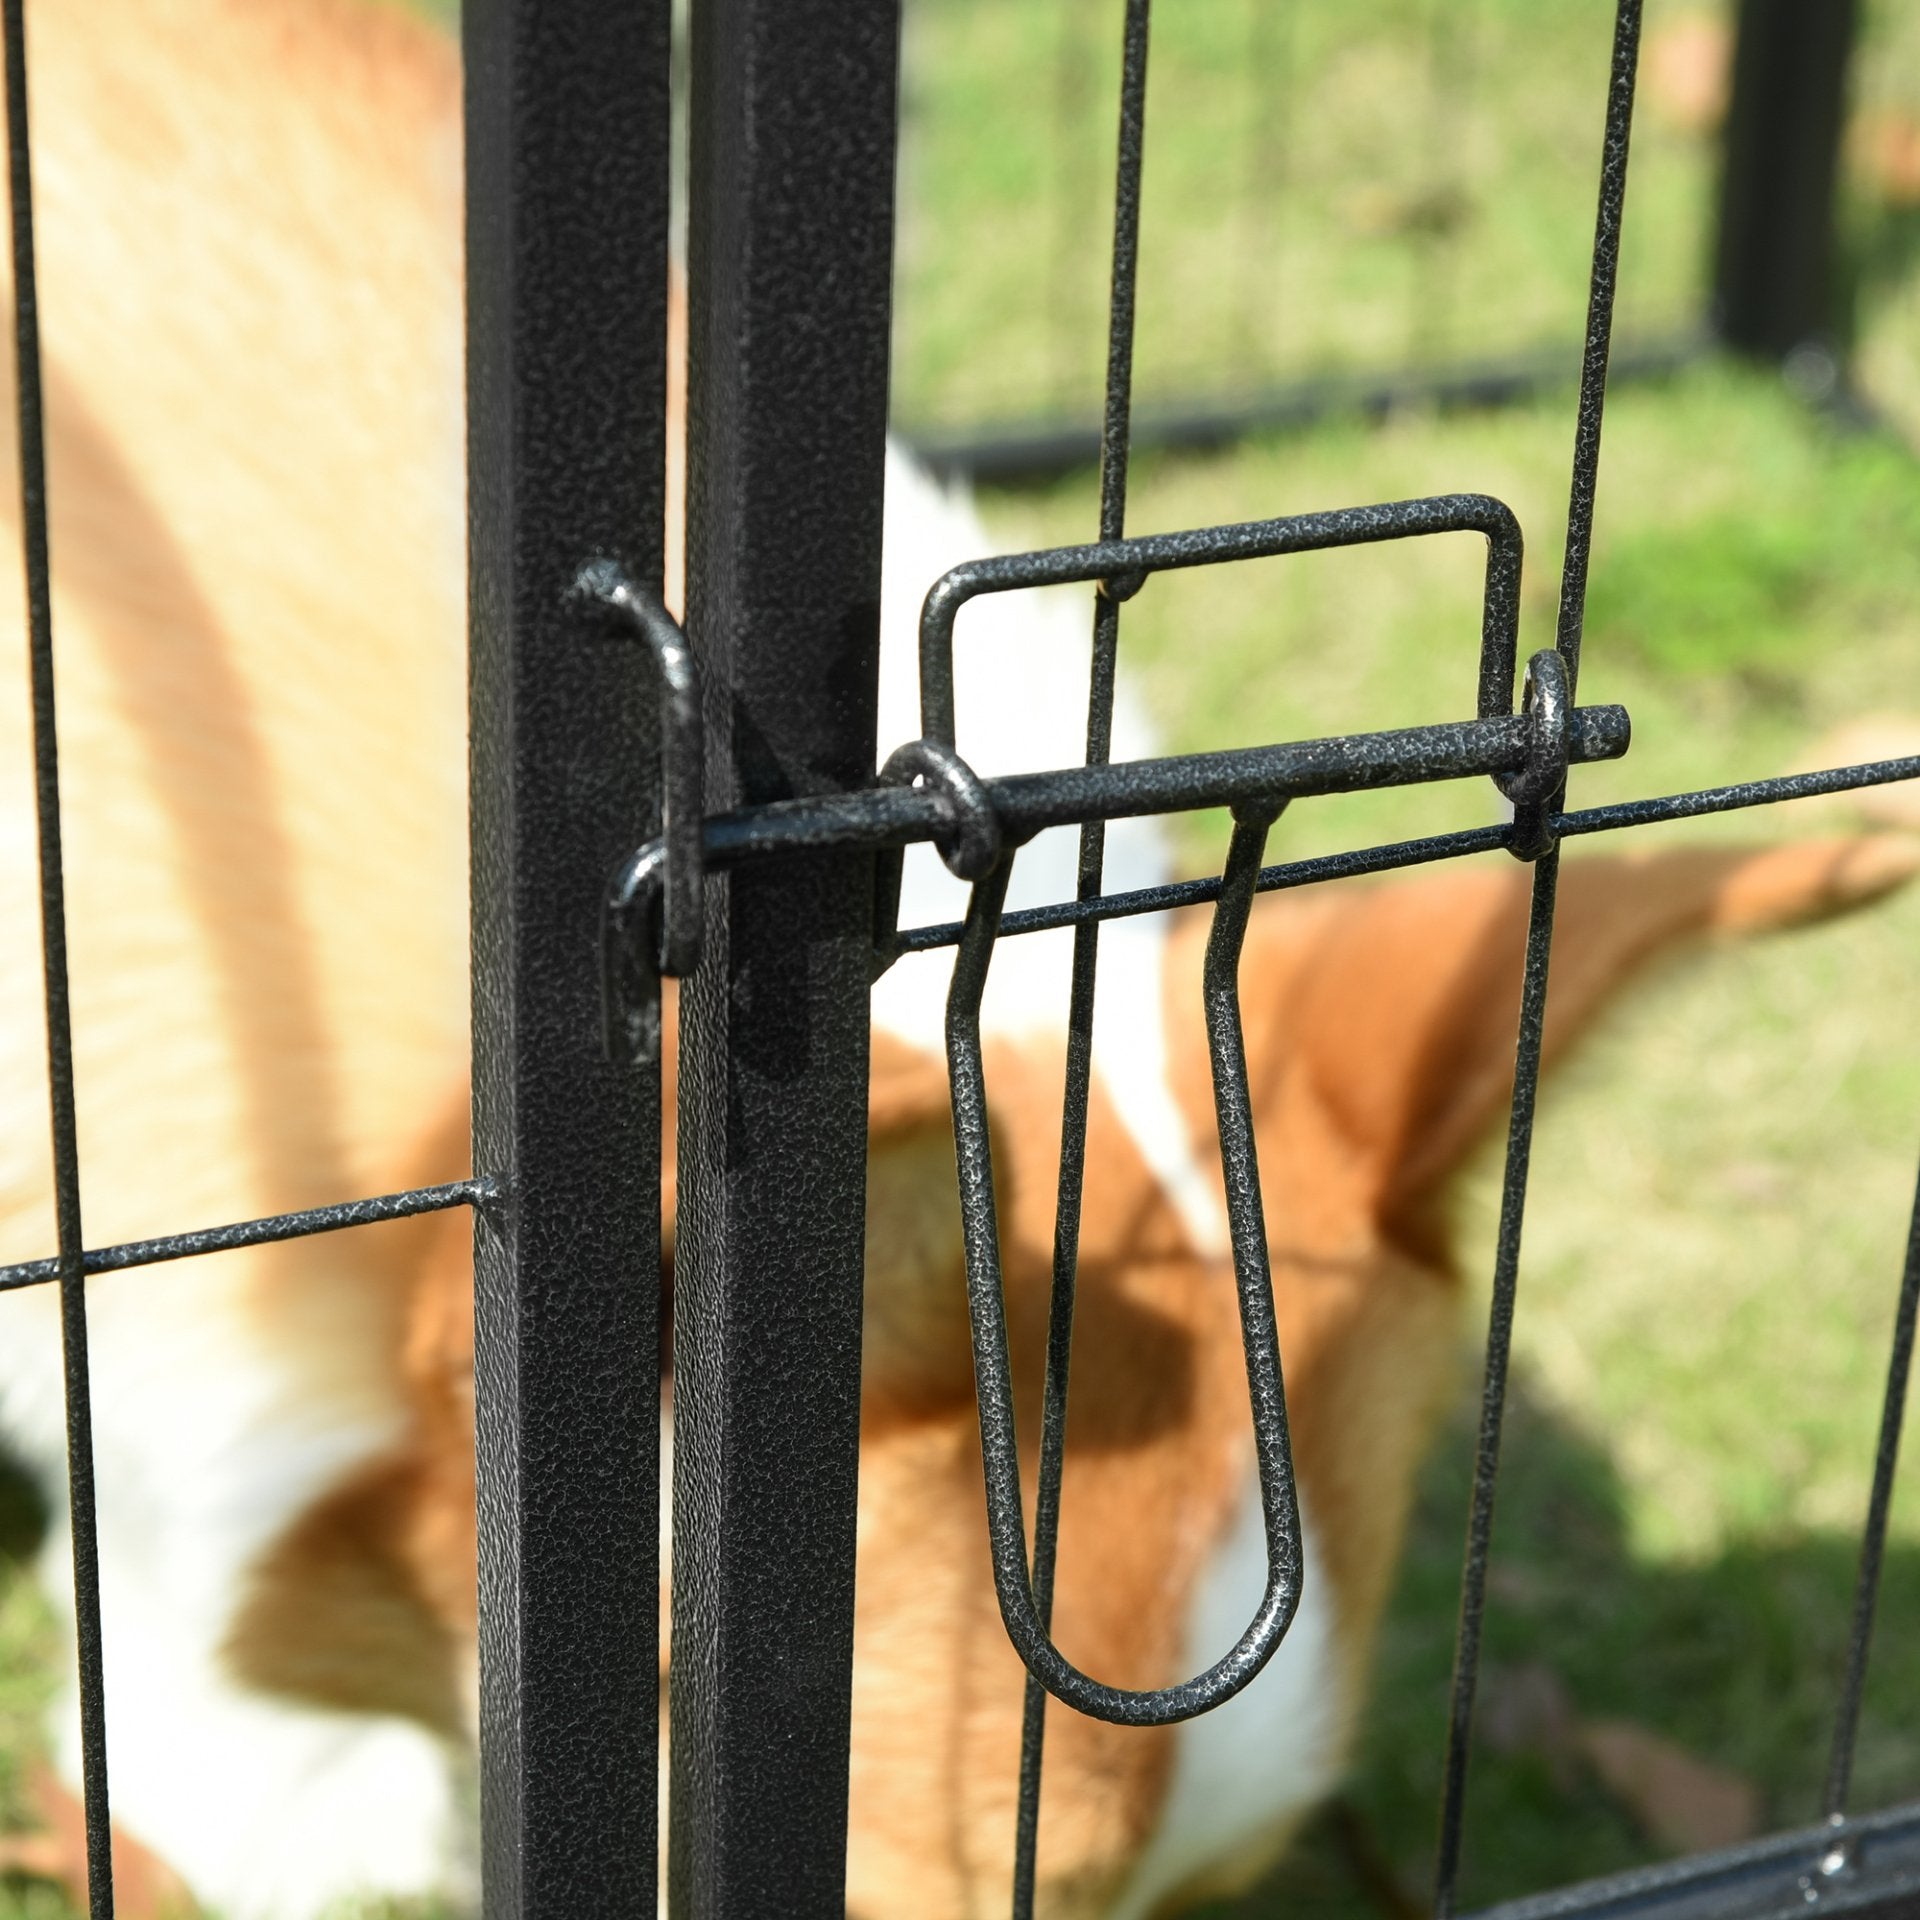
x,y
250,294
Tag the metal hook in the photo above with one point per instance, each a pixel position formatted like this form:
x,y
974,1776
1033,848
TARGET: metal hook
x,y
654,906
993,1379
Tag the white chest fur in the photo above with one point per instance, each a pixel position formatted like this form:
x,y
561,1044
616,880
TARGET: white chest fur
x,y
1270,1752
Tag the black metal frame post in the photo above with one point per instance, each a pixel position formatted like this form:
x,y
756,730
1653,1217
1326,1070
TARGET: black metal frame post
x,y
567,116
790,245
1773,270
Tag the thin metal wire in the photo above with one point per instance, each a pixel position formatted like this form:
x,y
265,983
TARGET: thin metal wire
x,y
1532,834
1390,856
1493,1392
1115,450
1873,1543
337,1218
1253,1286
53,941
1593,366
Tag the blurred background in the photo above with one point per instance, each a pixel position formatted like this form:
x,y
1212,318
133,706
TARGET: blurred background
x,y
1365,247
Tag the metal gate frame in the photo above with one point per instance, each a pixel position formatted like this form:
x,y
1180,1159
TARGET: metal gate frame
x,y
764,882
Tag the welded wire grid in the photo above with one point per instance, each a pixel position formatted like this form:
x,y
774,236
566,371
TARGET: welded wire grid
x,y
73,1261
1541,821
976,823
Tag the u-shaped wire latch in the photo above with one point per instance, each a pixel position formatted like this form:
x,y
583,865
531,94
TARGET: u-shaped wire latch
x,y
999,1446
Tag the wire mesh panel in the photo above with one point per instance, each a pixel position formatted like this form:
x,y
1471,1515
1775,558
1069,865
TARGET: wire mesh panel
x,y
928,792
649,802
567,256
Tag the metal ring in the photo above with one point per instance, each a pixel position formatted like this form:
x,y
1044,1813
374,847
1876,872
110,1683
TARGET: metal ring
x,y
1536,789
1544,702
969,838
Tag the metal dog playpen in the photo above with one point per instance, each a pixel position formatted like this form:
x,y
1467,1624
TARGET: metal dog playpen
x,y
725,779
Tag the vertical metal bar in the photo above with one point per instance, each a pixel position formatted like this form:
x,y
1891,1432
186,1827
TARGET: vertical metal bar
x,y
790,242
1493,1391
1602,287
1873,1543
30,417
1115,452
1582,496
1773,274
567,117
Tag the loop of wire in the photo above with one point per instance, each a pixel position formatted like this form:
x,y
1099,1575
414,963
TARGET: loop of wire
x,y
999,1445
1536,789
969,837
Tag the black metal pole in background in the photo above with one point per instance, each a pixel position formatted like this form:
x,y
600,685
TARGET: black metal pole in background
x,y
1774,282
567,114
790,230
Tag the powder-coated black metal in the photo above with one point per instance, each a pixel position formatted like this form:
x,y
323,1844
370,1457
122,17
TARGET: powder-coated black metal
x,y
1121,565
29,415
1390,856
790,232
1773,270
1609,221
257,1233
1493,1391
566,113
1115,453
969,817
993,1376
1550,691
1873,1543
1867,1869
683,777
764,857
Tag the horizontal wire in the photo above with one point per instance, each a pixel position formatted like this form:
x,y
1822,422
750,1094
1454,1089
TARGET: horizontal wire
x,y
1112,906
259,1233
1396,854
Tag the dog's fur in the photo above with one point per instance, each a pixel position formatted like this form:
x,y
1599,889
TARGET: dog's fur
x,y
251,298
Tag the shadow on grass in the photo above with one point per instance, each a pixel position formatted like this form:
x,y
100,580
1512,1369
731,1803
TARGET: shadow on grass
x,y
1736,1659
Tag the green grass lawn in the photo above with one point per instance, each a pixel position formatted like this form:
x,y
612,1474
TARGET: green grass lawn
x,y
1722,1178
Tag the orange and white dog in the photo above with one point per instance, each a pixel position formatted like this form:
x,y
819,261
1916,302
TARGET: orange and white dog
x,y
249,242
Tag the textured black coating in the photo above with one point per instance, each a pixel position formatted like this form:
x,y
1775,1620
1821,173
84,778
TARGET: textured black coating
x,y
30,418
683,780
1392,855
1604,284
1116,450
256,1233
1551,687
1493,1390
1112,559
1773,271
789,271
874,817
992,1368
1867,1869
566,111
1873,1542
